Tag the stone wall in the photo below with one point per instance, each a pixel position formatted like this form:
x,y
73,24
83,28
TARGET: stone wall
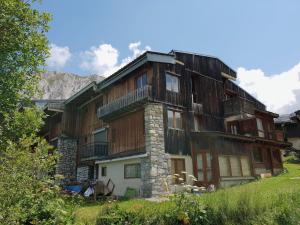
x,y
66,164
156,167
82,173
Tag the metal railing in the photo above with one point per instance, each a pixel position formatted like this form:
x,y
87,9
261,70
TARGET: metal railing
x,y
124,101
93,150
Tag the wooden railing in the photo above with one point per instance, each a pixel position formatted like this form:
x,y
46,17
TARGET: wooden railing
x,y
56,105
124,101
95,150
237,105
173,98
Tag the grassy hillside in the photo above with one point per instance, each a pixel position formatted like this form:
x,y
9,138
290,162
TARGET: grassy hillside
x,y
274,200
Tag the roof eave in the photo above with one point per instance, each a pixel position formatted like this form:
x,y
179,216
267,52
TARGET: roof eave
x,y
138,62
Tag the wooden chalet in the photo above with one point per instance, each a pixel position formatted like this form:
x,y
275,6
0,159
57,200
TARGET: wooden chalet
x,y
162,114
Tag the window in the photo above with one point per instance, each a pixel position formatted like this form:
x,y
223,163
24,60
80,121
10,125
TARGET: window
x,y
260,128
245,166
234,166
172,83
257,155
103,171
233,129
141,81
177,167
174,119
100,136
204,167
224,166
132,170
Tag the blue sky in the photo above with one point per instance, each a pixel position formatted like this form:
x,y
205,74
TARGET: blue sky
x,y
255,36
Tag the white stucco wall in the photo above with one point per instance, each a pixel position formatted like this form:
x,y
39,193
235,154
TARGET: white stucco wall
x,y
295,142
115,172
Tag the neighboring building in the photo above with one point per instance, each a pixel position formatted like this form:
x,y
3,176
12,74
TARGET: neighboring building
x,y
163,114
290,125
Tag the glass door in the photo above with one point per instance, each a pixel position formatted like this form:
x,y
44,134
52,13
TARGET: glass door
x,y
204,167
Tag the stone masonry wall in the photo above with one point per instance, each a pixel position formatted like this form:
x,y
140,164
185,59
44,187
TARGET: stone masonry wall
x,y
82,173
155,168
66,164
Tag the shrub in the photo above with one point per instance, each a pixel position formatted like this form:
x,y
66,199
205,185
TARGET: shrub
x,y
181,209
28,195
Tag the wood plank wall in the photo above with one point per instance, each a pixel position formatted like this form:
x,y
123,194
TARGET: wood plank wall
x,y
127,133
88,122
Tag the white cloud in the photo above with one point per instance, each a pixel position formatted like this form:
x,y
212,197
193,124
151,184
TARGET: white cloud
x,y
279,92
103,60
59,56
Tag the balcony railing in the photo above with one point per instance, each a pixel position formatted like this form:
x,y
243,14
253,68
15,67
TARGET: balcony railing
x,y
123,102
237,105
56,105
93,151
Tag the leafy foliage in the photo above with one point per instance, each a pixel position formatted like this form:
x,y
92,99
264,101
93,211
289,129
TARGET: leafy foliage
x,y
23,49
28,195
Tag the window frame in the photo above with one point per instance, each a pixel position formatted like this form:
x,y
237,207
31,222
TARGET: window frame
x,y
138,175
140,77
182,175
103,171
174,119
259,150
172,79
260,127
239,157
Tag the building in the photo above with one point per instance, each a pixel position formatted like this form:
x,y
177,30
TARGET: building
x,y
290,125
162,114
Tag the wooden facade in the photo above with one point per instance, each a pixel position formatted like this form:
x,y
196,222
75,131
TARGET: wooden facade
x,y
217,120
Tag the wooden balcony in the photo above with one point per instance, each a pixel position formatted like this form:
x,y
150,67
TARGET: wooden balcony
x,y
55,106
237,105
93,151
173,98
125,103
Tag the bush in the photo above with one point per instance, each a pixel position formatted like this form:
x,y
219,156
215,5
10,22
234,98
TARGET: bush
x,y
181,209
28,195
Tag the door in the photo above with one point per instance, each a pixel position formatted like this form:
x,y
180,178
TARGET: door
x,y
204,167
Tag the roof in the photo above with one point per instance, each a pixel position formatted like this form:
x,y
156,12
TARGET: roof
x,y
203,55
148,56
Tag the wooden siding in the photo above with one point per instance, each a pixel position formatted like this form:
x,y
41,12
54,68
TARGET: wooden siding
x,y
127,85
127,133
88,121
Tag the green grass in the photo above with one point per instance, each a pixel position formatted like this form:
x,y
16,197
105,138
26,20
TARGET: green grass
x,y
257,200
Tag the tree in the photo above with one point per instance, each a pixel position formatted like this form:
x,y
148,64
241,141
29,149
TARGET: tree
x,y
23,49
28,194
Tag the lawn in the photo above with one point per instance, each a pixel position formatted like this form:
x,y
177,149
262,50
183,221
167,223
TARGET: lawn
x,y
257,200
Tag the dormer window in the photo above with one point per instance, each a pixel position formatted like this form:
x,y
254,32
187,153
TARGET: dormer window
x,y
141,81
172,83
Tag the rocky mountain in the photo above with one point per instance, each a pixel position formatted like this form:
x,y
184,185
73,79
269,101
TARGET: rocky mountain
x,y
59,85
